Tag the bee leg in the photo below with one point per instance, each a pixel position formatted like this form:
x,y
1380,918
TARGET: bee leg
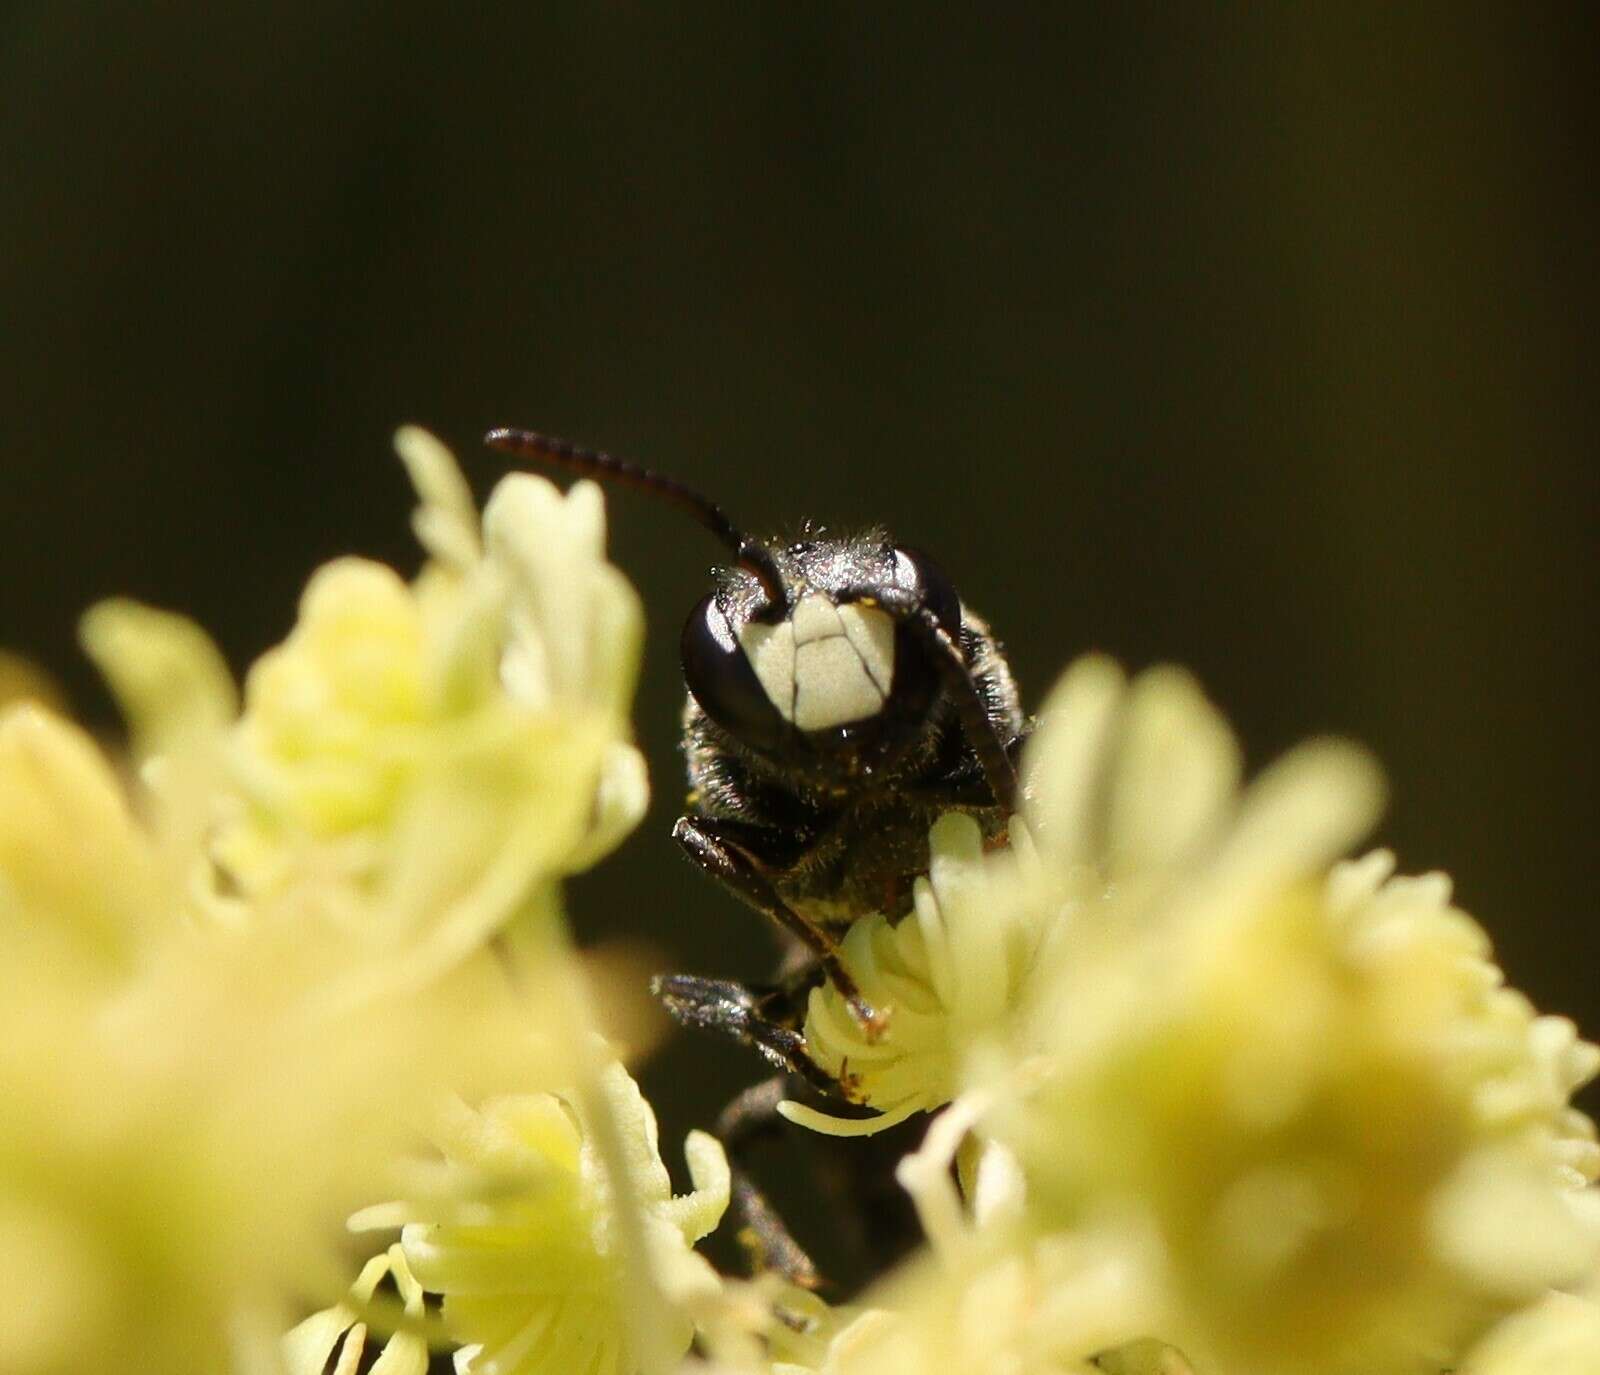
x,y
723,858
750,1116
731,1009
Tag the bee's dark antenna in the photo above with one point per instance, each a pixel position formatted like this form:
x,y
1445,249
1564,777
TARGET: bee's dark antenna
x,y
753,557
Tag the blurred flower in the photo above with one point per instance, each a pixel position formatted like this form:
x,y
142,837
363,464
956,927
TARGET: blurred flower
x,y
955,971
342,1331
1293,1087
78,882
177,698
403,725
988,1294
187,1113
770,1326
235,983
1026,1312
1559,1335
170,680
1147,1356
22,680
1355,1146
519,1231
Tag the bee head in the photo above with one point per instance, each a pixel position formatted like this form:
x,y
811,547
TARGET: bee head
x,y
803,650
831,665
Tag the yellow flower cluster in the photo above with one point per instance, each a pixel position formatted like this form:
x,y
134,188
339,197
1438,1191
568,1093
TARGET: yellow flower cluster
x,y
1559,1335
1354,1145
234,981
1214,1098
1323,1136
392,728
520,1233
188,1110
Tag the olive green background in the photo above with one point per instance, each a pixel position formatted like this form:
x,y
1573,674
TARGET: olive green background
x,y
1261,340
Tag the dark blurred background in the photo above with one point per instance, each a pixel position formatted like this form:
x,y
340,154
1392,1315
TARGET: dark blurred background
x,y
1263,341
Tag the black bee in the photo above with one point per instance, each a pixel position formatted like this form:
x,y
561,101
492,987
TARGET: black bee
x,y
841,698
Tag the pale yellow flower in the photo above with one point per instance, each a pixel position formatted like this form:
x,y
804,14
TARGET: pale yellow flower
x,y
397,714
954,972
770,1326
1020,1314
987,1294
1147,1356
181,1135
172,683
1294,1087
22,680
1559,1335
345,1329
520,1232
1355,1147
78,883
178,699
238,978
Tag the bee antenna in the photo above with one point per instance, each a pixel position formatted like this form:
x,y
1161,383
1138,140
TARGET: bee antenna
x,y
753,557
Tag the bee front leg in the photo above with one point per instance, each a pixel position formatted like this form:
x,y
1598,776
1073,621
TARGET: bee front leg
x,y
724,859
733,1010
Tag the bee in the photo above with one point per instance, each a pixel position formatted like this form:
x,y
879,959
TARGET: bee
x,y
841,697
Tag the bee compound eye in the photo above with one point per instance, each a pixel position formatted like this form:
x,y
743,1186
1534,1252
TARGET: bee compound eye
x,y
914,570
721,679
